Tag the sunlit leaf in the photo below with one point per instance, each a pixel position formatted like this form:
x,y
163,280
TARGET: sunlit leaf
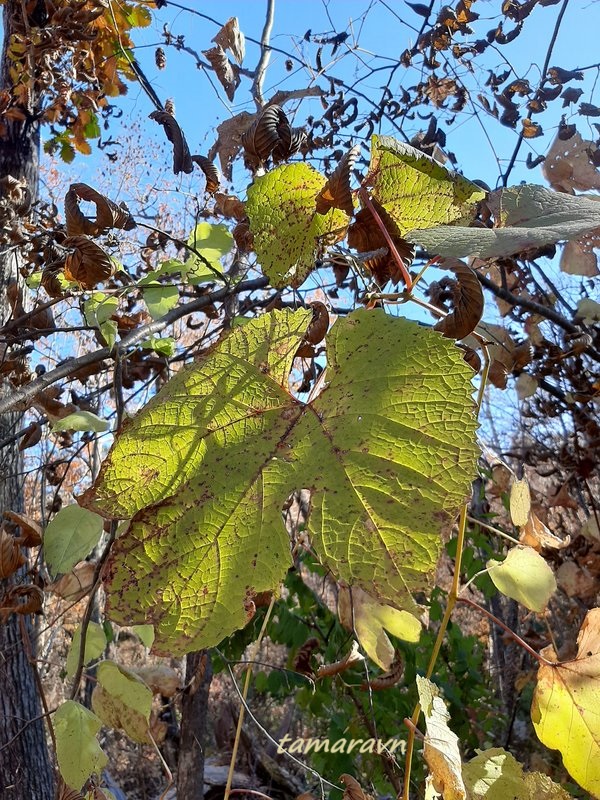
x,y
81,421
204,470
565,711
525,576
417,191
370,620
496,775
441,744
212,242
288,232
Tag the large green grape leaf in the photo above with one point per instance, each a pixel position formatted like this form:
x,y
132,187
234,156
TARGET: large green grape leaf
x,y
526,217
388,450
416,190
288,232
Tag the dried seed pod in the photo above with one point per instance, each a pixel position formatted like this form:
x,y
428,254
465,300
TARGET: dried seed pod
x,y
170,106
160,57
303,656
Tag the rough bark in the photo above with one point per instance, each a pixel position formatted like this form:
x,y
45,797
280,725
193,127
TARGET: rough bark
x,y
25,769
194,714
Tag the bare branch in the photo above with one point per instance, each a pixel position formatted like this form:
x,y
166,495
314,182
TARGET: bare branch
x,y
265,56
20,397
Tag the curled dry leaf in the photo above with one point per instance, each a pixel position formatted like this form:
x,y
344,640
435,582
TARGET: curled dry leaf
x,y
160,678
88,263
11,555
337,193
108,213
352,790
24,599
467,300
319,323
50,281
75,584
210,171
31,436
31,532
304,655
352,658
537,535
230,206
388,679
261,138
230,37
226,72
365,236
569,166
182,160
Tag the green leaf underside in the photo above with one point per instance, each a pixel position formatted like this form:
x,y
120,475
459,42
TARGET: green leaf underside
x,y
388,450
70,536
416,190
531,216
77,750
288,232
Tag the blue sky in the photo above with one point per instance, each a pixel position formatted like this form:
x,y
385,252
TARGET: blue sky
x,y
382,32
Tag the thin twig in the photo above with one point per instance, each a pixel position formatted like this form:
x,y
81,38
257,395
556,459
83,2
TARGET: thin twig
x,y
21,397
265,56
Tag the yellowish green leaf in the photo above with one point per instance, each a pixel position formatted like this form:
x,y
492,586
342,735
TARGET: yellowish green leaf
x,y
77,750
520,502
565,710
525,576
95,642
122,700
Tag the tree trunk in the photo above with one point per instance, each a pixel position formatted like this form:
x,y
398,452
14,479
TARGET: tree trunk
x,y
194,714
25,769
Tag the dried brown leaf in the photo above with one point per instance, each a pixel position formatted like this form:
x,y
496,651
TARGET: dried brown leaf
x,y
337,193
11,555
365,236
226,72
108,213
467,300
231,38
64,792
88,263
32,597
210,171
578,256
352,789
31,436
31,532
261,138
75,584
229,140
230,206
569,165
182,160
